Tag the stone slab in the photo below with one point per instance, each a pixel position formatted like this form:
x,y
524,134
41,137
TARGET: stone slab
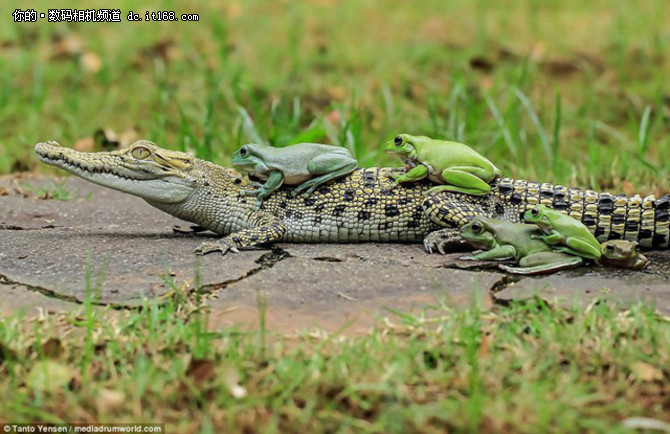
x,y
129,247
19,298
304,292
582,287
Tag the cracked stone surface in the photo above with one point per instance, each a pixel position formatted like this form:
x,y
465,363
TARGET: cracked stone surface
x,y
583,286
131,252
127,245
16,298
303,293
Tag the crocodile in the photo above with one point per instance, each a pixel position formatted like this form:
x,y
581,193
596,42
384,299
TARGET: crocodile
x,y
359,207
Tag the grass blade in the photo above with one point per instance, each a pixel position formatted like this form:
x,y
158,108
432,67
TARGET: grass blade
x,y
544,140
502,125
249,127
643,134
556,142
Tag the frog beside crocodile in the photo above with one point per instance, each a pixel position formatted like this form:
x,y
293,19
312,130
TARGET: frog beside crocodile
x,y
306,164
563,233
503,240
455,165
622,254
359,207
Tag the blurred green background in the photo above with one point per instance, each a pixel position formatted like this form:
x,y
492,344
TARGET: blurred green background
x,y
564,91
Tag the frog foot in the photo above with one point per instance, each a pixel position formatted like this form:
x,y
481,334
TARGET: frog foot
x,y
457,189
258,204
468,258
394,184
250,192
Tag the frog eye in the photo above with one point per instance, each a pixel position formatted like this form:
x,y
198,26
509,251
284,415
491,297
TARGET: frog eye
x,y
140,152
398,140
609,248
535,212
477,228
243,151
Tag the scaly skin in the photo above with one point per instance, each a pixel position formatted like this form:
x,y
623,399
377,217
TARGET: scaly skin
x,y
360,206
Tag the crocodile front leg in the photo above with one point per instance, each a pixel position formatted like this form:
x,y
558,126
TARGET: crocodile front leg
x,y
452,212
264,228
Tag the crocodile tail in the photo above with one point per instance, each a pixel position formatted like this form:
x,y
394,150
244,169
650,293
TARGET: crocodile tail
x,y
645,220
634,218
661,220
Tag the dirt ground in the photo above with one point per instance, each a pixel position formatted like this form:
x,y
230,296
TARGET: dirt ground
x,y
117,247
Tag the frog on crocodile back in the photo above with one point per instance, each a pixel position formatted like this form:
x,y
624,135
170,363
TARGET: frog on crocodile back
x,y
306,165
357,207
454,164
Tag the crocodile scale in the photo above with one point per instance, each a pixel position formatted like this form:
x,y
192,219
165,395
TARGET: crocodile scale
x,y
358,207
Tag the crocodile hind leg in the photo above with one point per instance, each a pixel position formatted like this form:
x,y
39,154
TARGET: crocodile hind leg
x,y
445,241
450,211
264,228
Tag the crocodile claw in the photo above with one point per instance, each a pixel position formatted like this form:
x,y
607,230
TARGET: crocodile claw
x,y
223,246
443,241
193,229
434,243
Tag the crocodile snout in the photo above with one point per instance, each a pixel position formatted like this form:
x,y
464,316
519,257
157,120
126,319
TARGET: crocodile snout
x,y
45,149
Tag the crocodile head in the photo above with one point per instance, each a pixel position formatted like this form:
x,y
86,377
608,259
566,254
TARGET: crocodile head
x,y
141,169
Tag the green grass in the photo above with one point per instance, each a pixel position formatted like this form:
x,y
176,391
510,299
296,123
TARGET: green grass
x,y
562,91
524,368
556,90
55,190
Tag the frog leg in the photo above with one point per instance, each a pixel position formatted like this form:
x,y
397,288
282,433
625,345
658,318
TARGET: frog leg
x,y
499,253
329,167
579,247
637,264
551,239
544,263
466,180
275,180
640,263
417,173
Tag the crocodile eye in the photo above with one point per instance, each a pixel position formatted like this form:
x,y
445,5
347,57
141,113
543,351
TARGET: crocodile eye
x,y
477,228
243,151
140,153
397,140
